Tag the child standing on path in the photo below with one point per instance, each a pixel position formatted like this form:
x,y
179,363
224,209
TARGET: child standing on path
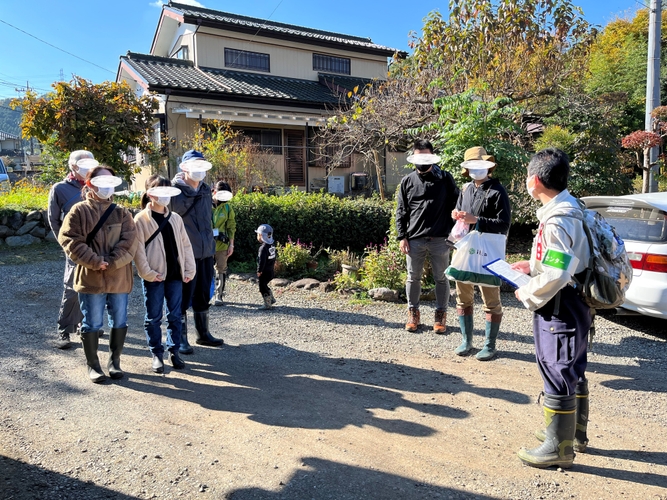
x,y
165,261
266,261
224,222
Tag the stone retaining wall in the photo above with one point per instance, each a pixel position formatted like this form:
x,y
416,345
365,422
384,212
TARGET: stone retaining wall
x,y
18,229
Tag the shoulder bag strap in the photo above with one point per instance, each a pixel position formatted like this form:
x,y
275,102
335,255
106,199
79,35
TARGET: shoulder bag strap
x,y
158,230
100,223
194,202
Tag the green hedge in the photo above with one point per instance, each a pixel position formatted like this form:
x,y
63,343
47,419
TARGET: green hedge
x,y
317,218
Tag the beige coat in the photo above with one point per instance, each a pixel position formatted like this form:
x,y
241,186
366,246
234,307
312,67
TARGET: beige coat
x,y
114,243
152,261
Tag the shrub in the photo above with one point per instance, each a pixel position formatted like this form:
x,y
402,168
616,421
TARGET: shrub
x,y
384,266
322,219
25,196
293,257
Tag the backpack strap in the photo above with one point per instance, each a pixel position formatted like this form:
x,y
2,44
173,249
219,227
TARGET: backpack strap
x,y
66,204
158,230
100,223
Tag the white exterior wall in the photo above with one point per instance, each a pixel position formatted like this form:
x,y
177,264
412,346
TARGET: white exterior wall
x,y
289,59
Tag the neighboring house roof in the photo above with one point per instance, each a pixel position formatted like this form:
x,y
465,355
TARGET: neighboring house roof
x,y
182,77
6,136
224,20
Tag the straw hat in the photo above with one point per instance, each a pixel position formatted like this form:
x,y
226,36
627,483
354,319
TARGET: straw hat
x,y
477,158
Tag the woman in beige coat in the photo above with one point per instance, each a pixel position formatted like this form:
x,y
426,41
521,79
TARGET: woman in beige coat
x,y
165,261
100,237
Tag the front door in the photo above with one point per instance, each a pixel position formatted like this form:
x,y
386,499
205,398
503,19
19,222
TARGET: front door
x,y
295,158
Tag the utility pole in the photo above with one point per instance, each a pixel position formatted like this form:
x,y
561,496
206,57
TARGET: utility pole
x,y
653,81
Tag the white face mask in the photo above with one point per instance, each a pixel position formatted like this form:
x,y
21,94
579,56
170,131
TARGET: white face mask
x,y
478,175
197,176
105,192
162,200
82,172
530,189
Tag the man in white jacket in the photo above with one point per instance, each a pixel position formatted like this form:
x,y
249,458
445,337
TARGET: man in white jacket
x,y
561,319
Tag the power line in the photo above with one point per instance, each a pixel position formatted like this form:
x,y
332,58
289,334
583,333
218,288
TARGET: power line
x,y
57,48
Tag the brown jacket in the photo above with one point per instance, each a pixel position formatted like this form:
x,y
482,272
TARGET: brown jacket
x,y
114,243
152,261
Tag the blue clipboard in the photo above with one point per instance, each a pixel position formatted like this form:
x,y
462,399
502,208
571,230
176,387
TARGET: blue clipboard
x,y
504,278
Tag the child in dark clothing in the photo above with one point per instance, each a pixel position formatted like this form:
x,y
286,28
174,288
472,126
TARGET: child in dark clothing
x,y
266,260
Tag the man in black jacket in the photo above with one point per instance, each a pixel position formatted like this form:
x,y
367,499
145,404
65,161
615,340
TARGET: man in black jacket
x,y
426,198
195,206
484,204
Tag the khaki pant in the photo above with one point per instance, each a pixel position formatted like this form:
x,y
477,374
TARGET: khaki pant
x,y
465,293
221,262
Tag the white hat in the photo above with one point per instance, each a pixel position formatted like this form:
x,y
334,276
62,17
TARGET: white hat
x,y
223,196
163,191
102,181
423,159
196,165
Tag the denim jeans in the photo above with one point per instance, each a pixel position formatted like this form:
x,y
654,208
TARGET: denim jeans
x,y
438,250
92,308
157,293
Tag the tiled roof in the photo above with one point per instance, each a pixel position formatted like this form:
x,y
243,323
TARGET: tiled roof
x,y
167,73
272,28
5,136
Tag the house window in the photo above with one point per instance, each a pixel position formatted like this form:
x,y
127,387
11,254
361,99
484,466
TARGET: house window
x,y
244,59
182,53
269,140
331,64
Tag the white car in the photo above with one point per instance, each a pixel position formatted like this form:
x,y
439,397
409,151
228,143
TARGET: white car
x,y
641,220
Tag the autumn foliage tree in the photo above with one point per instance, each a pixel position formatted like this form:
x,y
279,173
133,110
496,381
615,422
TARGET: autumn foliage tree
x,y
107,119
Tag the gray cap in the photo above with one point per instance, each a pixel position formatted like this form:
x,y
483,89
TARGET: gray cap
x,y
266,232
77,155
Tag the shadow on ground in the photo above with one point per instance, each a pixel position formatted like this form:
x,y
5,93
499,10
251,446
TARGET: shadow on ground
x,y
280,386
21,481
323,479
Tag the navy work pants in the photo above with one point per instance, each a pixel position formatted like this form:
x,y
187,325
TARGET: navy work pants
x,y
561,340
197,293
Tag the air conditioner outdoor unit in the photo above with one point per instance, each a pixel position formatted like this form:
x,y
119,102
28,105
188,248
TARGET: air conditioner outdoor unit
x,y
336,184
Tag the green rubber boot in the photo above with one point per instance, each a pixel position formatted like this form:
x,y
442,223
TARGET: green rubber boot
x,y
492,328
465,321
580,436
557,448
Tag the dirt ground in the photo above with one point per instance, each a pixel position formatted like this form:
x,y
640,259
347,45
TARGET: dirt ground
x,y
319,399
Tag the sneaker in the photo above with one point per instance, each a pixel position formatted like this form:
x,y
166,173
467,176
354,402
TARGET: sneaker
x,y
63,341
439,323
413,320
158,364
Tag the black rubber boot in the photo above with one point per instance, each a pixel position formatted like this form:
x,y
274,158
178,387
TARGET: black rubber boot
x,y
176,361
580,437
185,347
116,343
204,337
90,342
557,448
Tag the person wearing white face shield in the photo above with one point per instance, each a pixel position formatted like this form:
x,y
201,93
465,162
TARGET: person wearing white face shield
x,y
100,237
195,206
164,261
62,197
485,205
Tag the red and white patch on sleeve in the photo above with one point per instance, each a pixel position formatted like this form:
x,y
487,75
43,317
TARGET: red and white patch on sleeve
x,y
539,252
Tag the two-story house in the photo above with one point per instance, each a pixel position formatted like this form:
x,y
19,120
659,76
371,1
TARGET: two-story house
x,y
275,82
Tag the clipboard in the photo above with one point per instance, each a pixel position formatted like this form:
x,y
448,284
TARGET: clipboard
x,y
500,268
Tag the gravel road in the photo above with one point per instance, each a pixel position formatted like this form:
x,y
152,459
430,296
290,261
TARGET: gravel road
x,y
320,398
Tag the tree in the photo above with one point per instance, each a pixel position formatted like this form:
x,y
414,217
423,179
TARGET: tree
x,y
235,158
107,119
521,49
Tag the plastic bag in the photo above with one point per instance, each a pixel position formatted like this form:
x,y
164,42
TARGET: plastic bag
x,y
459,231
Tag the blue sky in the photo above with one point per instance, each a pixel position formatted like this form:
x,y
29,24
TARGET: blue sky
x,y
101,31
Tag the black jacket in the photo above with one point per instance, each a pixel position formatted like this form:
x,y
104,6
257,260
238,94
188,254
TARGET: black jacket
x,y
425,204
266,258
490,203
198,220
